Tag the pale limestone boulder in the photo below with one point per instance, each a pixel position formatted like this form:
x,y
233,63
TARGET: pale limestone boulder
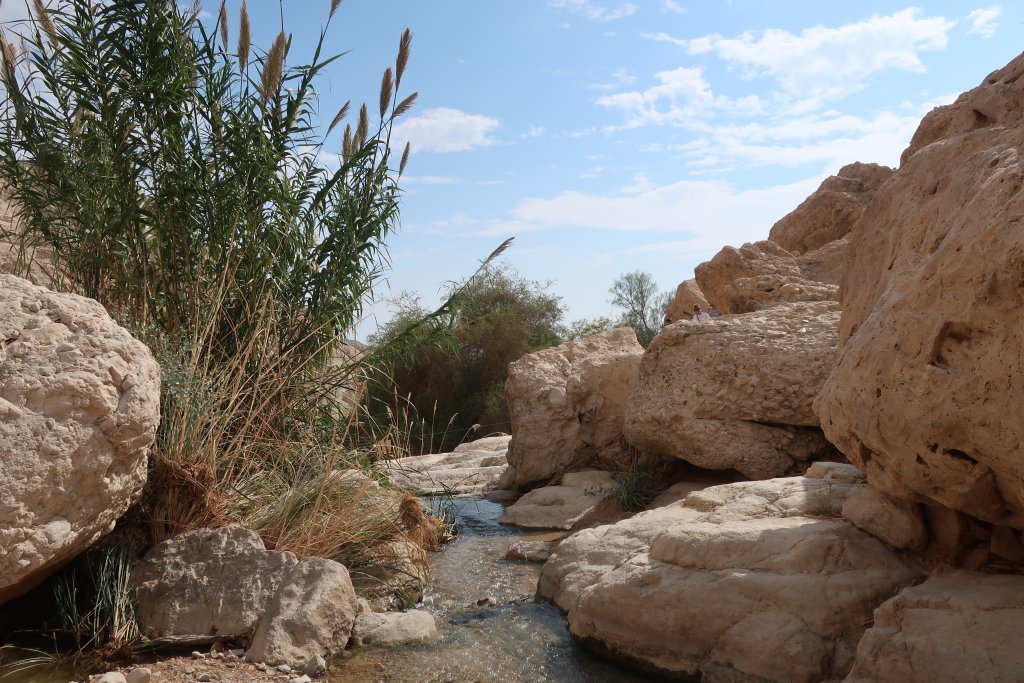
x,y
394,628
208,582
832,210
687,296
747,294
471,469
566,404
562,507
836,471
311,614
961,626
754,581
926,392
750,260
735,392
79,407
530,551
897,522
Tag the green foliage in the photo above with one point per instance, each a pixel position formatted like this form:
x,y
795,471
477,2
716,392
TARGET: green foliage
x,y
642,307
460,381
95,600
637,485
586,327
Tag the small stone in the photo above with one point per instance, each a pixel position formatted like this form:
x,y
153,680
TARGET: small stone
x,y
198,655
315,666
204,678
110,677
284,668
190,669
237,652
301,679
261,666
139,675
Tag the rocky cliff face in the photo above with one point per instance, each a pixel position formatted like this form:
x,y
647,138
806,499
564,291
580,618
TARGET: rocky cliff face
x,y
927,391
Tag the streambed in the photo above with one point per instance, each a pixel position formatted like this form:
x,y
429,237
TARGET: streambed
x,y
515,640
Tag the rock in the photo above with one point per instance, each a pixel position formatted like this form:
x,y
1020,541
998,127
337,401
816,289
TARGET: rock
x,y
831,211
204,678
311,614
283,668
750,260
196,654
897,522
139,675
110,677
392,628
687,296
748,294
470,469
397,572
208,582
530,551
735,392
567,404
752,581
315,666
961,626
564,506
79,407
301,679
925,393
837,471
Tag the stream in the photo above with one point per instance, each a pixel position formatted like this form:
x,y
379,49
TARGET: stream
x,y
516,640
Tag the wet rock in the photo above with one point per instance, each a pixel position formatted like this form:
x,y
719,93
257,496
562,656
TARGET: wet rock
x,y
391,628
79,407
564,506
530,551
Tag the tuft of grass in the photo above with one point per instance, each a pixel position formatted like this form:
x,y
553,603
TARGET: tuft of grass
x,y
637,485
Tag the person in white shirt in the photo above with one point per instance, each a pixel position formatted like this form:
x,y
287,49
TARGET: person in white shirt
x,y
699,315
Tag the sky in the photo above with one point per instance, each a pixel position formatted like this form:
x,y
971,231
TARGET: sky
x,y
610,136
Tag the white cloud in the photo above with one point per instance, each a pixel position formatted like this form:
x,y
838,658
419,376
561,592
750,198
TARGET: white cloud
x,y
829,62
594,11
534,132
620,77
680,94
703,214
984,21
444,130
672,6
666,38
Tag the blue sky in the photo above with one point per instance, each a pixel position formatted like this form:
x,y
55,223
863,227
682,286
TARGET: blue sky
x,y
610,136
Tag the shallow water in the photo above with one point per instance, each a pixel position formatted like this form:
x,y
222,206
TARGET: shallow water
x,y
517,639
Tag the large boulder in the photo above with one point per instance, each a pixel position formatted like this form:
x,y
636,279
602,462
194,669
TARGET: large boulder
x,y
749,261
746,582
208,582
960,626
735,392
926,391
79,407
312,613
471,468
831,211
567,403
687,296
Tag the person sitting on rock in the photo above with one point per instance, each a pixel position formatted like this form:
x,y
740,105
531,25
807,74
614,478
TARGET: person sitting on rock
x,y
713,311
699,315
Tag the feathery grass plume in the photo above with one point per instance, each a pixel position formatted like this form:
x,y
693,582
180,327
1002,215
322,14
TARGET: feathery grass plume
x,y
273,67
405,158
222,19
405,105
342,113
47,23
364,126
9,59
244,37
334,7
386,91
403,55
346,143
500,250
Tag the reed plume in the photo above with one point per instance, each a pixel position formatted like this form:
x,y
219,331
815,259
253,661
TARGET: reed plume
x,y
222,19
386,91
342,113
405,158
334,8
273,67
47,23
244,37
405,105
364,126
403,55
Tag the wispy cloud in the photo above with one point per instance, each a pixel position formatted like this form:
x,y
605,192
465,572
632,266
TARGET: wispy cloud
x,y
445,130
595,11
828,63
672,6
984,22
620,77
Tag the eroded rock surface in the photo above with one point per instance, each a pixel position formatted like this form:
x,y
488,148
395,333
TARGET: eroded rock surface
x,y
754,581
831,211
735,392
961,626
471,468
564,506
688,295
393,628
79,407
208,582
566,404
926,392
